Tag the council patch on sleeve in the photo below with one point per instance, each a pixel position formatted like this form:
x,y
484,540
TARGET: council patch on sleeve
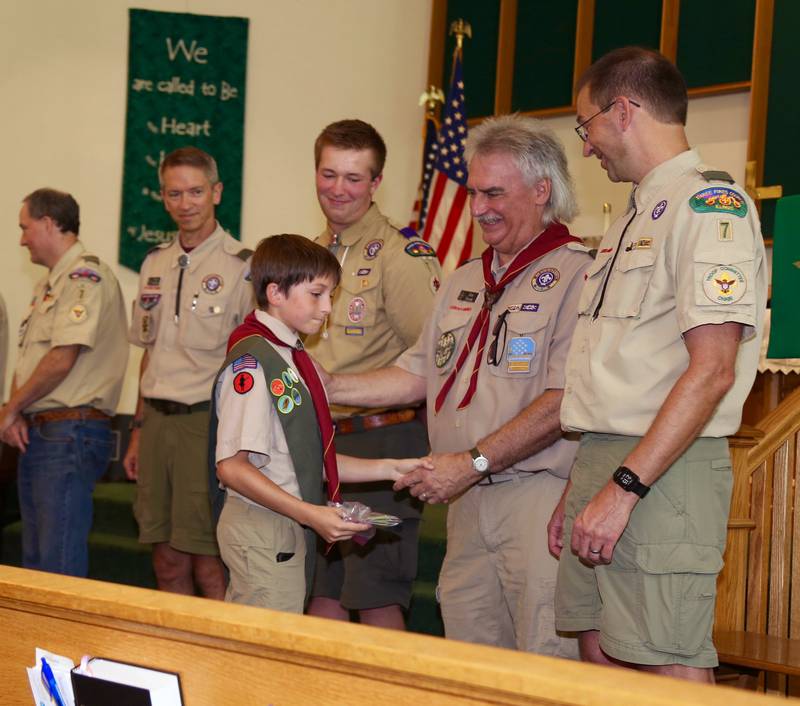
x,y
419,248
719,199
724,284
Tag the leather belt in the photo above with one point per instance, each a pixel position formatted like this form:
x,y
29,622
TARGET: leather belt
x,y
169,407
61,414
374,421
505,477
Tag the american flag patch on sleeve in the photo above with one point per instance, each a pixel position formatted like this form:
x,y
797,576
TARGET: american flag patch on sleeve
x,y
244,362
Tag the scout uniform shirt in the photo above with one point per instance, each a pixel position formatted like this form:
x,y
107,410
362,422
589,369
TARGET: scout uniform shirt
x,y
78,303
540,312
688,252
247,418
187,344
386,292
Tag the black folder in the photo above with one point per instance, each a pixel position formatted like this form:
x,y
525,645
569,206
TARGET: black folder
x,y
115,683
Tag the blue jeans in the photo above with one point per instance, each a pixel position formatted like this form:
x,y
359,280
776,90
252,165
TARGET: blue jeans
x,y
56,477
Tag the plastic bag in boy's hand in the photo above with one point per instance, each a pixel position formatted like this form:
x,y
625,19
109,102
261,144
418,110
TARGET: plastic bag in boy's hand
x,y
358,512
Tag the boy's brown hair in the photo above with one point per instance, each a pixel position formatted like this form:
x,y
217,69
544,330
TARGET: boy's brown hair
x,y
288,260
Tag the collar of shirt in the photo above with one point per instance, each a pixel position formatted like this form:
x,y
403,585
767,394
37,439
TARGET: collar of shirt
x,y
663,174
499,270
198,252
360,229
64,263
280,329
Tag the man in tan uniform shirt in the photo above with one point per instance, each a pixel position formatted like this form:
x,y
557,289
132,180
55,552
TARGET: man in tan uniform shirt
x,y
72,357
389,278
664,354
490,362
193,292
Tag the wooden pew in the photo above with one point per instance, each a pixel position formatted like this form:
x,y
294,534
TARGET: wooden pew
x,y
228,654
758,593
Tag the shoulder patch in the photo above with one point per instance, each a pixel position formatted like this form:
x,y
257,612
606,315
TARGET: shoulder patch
x,y
716,175
85,273
244,254
244,362
419,248
719,199
91,258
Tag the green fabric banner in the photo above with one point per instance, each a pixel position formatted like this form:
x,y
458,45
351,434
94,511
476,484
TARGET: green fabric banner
x,y
784,333
186,86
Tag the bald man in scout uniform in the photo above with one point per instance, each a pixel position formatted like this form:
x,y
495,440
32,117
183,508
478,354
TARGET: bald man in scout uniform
x,y
193,292
389,278
490,363
71,360
664,354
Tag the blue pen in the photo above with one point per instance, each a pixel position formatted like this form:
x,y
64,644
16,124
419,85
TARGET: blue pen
x,y
50,682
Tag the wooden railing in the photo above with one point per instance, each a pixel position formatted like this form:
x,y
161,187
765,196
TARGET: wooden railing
x,y
232,654
759,588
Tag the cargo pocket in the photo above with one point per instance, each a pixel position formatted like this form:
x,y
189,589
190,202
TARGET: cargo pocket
x,y
522,351
357,302
677,588
204,328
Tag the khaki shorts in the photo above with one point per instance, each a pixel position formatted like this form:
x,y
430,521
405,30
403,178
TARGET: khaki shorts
x,y
265,554
172,502
654,604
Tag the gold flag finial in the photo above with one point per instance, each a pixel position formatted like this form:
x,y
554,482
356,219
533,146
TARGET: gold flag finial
x,y
461,29
430,98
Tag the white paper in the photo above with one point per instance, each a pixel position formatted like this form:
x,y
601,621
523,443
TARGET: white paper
x,y
61,667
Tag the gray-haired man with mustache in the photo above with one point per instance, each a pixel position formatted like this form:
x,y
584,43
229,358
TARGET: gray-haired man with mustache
x,y
490,362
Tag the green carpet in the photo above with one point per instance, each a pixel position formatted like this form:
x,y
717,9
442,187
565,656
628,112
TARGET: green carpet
x,y
115,554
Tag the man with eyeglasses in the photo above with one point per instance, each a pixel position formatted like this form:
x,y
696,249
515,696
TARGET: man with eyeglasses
x,y
490,362
193,291
664,354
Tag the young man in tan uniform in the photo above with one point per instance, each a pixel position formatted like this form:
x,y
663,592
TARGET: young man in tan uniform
x,y
663,357
490,363
72,357
389,278
193,292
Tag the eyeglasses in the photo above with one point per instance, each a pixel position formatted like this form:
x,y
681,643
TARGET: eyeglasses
x,y
581,130
492,358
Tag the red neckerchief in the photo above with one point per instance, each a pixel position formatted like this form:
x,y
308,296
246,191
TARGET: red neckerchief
x,y
252,326
554,236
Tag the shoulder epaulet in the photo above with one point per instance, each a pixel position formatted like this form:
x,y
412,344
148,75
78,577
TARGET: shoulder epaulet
x,y
466,262
577,247
408,232
91,258
716,175
244,254
160,246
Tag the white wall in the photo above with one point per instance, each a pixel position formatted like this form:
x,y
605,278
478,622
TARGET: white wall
x,y
310,62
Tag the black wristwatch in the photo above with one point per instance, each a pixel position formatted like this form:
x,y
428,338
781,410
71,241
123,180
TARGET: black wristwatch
x,y
626,479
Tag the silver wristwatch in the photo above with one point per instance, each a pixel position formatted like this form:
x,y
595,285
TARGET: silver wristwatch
x,y
479,462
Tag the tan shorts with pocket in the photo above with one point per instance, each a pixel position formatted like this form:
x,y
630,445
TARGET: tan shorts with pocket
x,y
654,604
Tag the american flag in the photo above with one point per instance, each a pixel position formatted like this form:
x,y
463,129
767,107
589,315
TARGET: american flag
x,y
244,362
429,153
448,224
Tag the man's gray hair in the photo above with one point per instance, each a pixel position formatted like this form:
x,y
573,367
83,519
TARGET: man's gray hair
x,y
537,153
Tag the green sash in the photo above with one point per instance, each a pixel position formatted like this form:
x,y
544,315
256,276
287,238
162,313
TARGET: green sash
x,y
292,403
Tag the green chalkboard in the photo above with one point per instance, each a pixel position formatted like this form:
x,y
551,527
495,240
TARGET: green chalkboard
x,y
480,53
186,86
544,54
709,52
619,23
783,111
